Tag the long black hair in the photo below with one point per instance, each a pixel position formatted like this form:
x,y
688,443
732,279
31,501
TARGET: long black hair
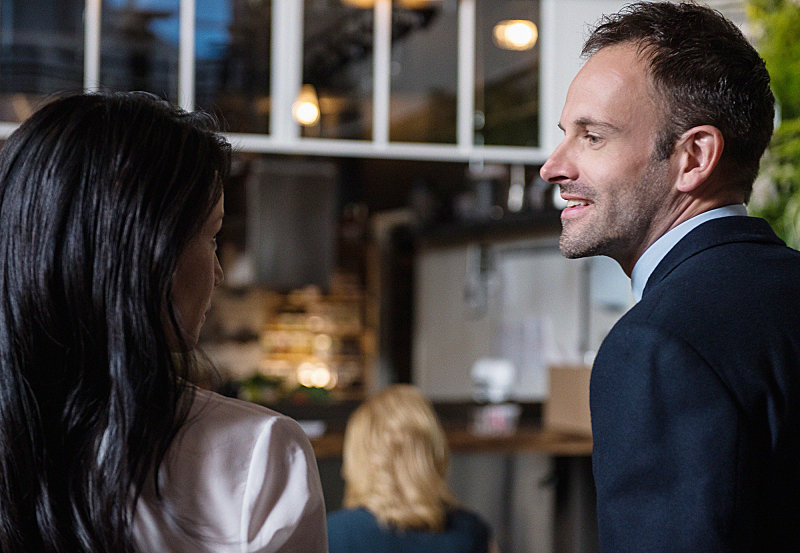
x,y
99,194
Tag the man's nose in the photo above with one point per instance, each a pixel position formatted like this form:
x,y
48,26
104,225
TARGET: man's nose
x,y
559,166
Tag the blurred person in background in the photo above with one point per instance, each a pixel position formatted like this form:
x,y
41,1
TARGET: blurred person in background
x,y
396,499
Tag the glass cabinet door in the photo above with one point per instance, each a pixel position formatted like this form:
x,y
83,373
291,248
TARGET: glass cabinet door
x,y
234,57
409,77
232,62
41,53
139,46
424,74
338,68
507,73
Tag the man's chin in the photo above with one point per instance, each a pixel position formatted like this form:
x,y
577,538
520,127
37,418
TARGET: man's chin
x,y
573,248
570,250
571,254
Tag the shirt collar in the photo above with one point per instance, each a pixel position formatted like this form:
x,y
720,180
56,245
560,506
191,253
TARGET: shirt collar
x,y
655,253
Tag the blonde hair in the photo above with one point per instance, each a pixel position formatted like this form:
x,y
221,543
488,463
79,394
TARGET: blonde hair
x,y
395,461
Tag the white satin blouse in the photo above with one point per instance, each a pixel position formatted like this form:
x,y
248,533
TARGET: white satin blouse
x,y
237,478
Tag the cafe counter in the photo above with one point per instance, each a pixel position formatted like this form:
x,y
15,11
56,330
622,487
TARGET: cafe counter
x,y
525,439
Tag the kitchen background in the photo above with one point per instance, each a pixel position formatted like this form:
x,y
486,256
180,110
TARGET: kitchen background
x,y
384,219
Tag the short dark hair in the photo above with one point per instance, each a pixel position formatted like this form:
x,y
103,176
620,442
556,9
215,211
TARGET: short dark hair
x,y
704,72
99,195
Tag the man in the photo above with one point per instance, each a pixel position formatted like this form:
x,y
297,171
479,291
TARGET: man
x,y
695,392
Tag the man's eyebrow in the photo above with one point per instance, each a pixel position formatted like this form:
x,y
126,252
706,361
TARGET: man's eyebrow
x,y
589,122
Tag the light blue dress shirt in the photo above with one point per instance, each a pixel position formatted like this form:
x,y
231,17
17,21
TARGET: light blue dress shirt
x,y
654,254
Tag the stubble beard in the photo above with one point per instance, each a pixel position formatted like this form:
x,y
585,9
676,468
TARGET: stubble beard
x,y
619,223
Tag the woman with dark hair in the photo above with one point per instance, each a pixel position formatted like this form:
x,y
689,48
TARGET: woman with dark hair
x,y
109,209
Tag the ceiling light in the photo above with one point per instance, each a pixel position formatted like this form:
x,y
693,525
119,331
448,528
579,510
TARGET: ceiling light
x,y
359,3
305,109
516,34
415,4
407,4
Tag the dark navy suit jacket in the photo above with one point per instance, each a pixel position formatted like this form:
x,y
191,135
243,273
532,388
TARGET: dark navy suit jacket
x,y
695,399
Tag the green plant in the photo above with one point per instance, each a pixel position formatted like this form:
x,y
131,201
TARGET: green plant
x,y
776,194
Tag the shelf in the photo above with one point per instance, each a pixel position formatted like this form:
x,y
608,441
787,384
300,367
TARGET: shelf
x,y
299,357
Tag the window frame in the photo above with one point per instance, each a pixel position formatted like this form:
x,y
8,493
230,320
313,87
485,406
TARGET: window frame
x,y
286,52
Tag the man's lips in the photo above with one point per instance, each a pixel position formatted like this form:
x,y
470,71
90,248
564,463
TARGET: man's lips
x,y
577,203
575,206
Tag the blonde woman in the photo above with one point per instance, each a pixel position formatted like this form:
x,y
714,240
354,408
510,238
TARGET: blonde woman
x,y
395,462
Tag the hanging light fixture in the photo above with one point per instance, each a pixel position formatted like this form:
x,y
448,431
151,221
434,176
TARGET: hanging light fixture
x,y
364,4
305,109
516,34
407,4
415,4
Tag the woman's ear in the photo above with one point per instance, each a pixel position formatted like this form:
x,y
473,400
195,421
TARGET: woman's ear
x,y
699,150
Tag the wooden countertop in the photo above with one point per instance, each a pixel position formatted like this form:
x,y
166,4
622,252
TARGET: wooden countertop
x,y
525,439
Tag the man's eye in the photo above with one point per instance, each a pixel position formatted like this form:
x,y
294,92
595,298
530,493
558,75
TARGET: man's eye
x,y
593,138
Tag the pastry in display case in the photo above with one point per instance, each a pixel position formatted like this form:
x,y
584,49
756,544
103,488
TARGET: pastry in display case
x,y
302,346
317,341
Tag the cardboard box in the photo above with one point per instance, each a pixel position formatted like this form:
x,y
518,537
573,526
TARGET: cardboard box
x,y
567,406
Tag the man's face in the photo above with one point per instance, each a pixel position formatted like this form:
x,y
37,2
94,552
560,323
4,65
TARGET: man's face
x,y
617,193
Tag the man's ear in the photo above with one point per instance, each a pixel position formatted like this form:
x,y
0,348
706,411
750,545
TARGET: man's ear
x,y
698,152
